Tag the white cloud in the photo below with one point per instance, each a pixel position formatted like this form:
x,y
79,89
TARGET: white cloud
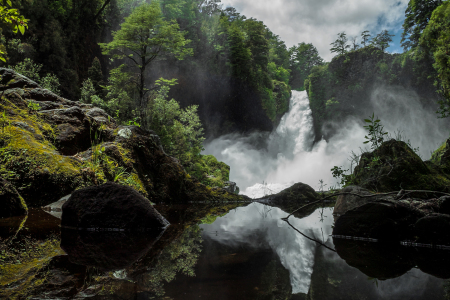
x,y
319,21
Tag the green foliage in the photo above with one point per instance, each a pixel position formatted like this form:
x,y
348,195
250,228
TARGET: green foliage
x,y
417,14
436,37
382,40
365,36
96,76
340,45
303,58
180,130
30,69
13,19
339,174
376,132
142,38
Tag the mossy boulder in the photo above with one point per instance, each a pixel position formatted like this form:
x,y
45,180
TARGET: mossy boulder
x,y
11,202
394,166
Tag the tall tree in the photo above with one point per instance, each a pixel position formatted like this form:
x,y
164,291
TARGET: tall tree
x,y
365,37
303,58
417,14
142,38
382,40
340,45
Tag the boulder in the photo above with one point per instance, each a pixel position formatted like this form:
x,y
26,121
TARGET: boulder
x,y
394,166
384,220
347,202
111,206
11,202
292,198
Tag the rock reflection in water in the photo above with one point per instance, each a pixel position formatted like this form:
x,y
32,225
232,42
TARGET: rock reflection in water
x,y
107,251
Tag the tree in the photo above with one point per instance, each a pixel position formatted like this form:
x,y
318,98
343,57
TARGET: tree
x,y
96,76
13,19
365,36
142,38
436,37
355,45
340,45
418,13
303,58
382,40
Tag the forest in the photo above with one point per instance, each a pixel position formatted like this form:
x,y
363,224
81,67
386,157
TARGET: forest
x,y
192,69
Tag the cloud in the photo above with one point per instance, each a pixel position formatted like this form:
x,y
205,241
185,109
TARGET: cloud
x,y
318,22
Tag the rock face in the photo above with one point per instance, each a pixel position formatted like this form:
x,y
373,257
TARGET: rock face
x,y
11,202
111,206
394,166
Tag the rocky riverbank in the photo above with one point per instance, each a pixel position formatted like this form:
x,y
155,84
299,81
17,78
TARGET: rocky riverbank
x,y
51,146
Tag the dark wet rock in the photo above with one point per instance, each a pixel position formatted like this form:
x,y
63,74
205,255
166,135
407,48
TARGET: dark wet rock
x,y
298,193
375,260
434,228
292,198
395,166
110,206
11,203
383,220
107,251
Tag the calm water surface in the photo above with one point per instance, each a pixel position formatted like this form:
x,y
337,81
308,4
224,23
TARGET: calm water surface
x,y
246,252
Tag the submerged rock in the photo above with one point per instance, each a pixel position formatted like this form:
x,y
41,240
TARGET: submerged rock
x,y
11,202
111,206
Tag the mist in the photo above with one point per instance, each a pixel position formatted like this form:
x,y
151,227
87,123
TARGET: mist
x,y
266,163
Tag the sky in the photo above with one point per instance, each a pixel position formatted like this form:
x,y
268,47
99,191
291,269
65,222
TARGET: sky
x,y
319,21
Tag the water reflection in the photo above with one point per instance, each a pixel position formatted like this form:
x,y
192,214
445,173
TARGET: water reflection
x,y
107,251
260,226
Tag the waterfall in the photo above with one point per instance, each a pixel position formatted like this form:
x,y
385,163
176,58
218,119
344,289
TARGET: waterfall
x,y
288,154
266,163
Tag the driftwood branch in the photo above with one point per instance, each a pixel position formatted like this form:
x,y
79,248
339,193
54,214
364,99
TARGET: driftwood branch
x,y
400,194
309,238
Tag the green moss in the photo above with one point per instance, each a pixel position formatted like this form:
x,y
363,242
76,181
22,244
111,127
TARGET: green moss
x,y
437,155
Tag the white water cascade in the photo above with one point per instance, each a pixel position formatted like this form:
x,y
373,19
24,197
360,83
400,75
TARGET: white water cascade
x,y
266,163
